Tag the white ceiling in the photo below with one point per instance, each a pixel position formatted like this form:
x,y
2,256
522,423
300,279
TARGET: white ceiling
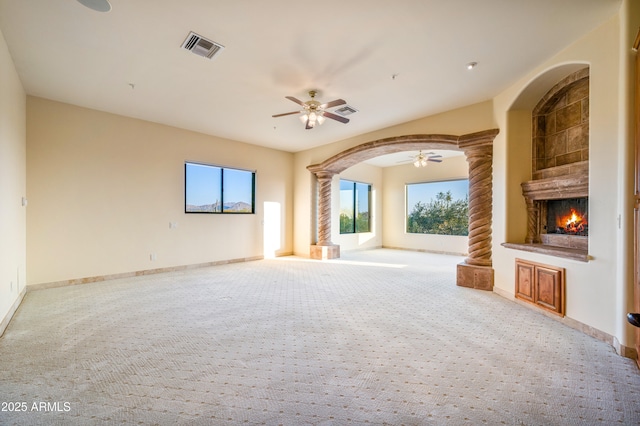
x,y
129,61
408,157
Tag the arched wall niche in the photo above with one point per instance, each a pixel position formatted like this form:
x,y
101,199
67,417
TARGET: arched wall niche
x,y
560,123
537,87
548,145
476,271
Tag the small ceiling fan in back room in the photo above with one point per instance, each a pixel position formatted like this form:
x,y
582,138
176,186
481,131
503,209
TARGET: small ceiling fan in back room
x,y
314,112
421,160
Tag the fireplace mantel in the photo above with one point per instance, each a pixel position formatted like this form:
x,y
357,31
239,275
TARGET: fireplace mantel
x,y
556,183
556,188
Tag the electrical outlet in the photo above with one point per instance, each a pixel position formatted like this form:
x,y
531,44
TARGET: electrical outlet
x,y
152,257
11,285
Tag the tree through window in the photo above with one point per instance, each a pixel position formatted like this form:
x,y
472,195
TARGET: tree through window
x,y
355,201
438,208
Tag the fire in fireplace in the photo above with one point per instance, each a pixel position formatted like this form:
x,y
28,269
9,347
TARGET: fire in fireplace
x,y
568,216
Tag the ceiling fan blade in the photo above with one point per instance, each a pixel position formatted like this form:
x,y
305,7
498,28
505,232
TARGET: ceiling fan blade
x,y
333,103
335,117
435,156
306,126
291,98
286,113
435,161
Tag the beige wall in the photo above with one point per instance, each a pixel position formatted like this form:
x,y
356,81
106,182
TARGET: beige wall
x,y
594,290
104,189
394,210
12,185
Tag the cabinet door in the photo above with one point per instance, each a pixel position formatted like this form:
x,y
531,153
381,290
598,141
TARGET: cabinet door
x,y
549,289
524,281
540,285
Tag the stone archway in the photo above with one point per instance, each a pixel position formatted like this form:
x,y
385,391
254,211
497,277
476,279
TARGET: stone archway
x,y
476,271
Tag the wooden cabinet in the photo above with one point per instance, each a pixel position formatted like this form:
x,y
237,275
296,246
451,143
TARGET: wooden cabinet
x,y
541,285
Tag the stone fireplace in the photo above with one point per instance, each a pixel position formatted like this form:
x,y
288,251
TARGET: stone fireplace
x,y
558,211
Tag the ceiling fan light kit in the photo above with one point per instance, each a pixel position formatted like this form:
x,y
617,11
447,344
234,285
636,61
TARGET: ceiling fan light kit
x,y
312,118
313,112
421,160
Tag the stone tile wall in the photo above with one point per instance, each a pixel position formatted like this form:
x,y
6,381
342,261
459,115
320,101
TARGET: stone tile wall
x,y
561,126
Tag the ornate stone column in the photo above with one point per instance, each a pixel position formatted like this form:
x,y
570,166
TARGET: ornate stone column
x,y
324,248
533,216
476,270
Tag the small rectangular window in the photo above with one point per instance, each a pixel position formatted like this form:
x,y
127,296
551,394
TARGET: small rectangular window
x,y
355,201
214,189
237,190
363,199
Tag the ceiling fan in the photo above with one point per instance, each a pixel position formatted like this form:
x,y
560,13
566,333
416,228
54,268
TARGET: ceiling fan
x,y
421,160
314,112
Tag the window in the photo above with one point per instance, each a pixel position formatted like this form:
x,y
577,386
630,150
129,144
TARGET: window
x,y
438,207
355,199
213,189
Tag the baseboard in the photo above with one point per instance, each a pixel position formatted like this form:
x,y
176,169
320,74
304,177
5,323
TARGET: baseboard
x,y
87,280
355,250
620,349
450,253
7,319
503,293
625,351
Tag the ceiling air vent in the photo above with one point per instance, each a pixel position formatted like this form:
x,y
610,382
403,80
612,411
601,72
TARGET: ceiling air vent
x,y
345,110
201,46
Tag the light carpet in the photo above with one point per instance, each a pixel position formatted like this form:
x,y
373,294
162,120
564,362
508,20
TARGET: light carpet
x,y
376,337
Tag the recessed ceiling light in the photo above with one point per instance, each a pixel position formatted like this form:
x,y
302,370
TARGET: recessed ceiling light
x,y
472,65
97,5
